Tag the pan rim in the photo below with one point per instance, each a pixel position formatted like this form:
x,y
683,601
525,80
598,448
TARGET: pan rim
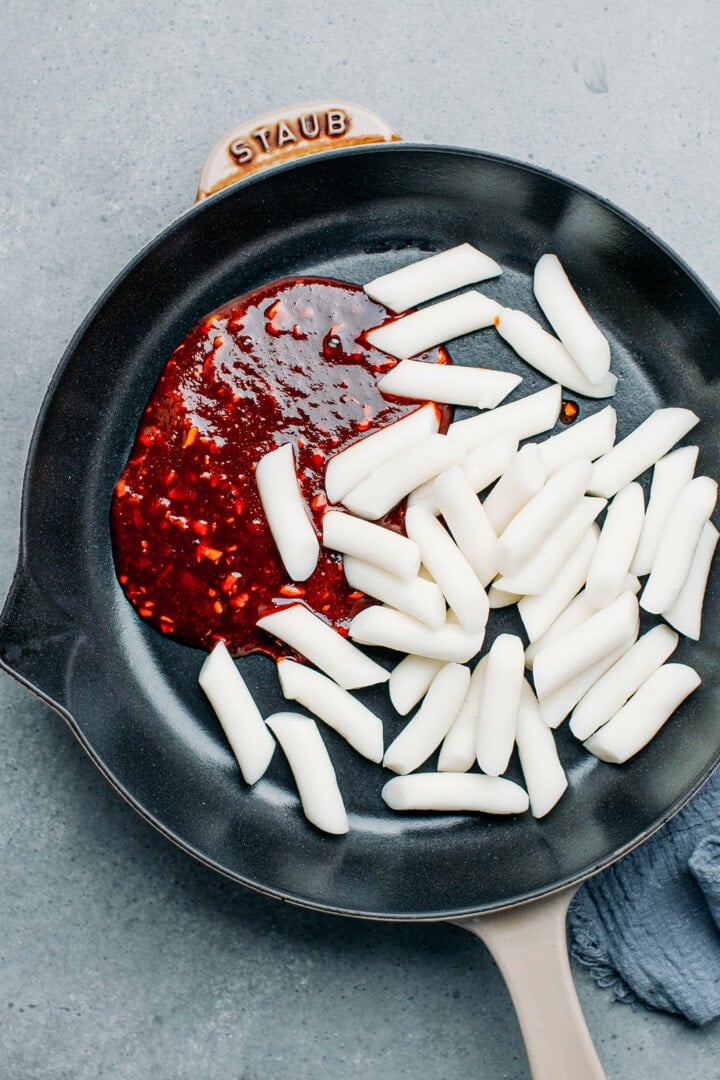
x,y
23,550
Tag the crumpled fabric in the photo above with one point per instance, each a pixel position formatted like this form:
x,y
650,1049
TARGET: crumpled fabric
x,y
649,926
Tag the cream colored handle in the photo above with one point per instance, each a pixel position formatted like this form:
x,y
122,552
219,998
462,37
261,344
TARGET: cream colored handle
x,y
292,132
529,945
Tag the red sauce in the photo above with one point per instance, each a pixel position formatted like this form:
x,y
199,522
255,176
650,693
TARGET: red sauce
x,y
286,363
569,412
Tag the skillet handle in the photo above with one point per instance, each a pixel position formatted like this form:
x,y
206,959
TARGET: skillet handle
x,y
288,133
529,945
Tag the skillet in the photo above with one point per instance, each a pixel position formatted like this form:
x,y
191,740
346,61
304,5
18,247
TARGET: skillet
x,y
131,696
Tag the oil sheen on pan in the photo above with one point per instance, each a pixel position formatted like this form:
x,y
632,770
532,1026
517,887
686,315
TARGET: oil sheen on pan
x,y
286,363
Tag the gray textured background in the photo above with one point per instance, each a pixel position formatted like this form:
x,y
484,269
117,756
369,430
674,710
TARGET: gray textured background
x,y
119,956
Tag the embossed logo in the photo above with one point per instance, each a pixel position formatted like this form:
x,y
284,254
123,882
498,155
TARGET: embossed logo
x,y
306,127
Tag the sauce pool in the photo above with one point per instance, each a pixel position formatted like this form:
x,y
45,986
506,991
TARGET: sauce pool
x,y
286,363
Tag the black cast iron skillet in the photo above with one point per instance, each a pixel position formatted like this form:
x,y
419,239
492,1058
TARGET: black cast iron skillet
x,y
131,696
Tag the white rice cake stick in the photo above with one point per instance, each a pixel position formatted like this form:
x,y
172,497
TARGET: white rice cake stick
x,y
498,598
479,388
671,474
639,721
387,485
686,613
569,318
423,330
590,438
371,543
458,752
348,468
630,458
421,599
449,568
233,704
497,721
567,656
392,629
312,770
488,461
539,572
409,681
334,706
431,723
556,706
578,610
620,682
550,505
454,793
523,479
286,513
481,467
548,355
467,521
305,632
539,612
545,777
678,541
616,546
430,277
527,416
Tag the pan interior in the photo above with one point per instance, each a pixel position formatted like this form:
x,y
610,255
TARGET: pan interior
x,y
133,695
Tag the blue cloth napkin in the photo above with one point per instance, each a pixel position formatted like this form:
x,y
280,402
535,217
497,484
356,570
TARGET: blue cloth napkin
x,y
649,926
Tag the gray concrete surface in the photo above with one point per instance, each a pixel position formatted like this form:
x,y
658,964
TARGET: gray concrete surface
x,y
119,957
